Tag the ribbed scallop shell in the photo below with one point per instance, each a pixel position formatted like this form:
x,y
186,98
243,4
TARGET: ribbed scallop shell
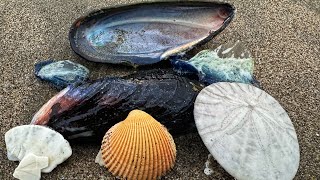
x,y
138,148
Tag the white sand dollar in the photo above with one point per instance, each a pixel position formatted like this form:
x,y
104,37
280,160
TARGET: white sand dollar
x,y
38,140
247,131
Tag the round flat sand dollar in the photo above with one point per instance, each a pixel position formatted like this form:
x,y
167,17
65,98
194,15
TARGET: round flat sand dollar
x,y
247,131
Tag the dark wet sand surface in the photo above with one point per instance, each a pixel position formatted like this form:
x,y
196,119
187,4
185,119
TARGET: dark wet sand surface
x,y
284,38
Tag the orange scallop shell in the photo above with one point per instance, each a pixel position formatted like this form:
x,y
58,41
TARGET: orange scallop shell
x,y
138,148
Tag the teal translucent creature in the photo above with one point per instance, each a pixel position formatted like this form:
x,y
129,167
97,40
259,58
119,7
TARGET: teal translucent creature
x,y
61,73
230,62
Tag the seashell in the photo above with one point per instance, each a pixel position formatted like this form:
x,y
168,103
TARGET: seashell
x,y
99,159
138,148
230,62
147,33
247,131
84,112
30,167
61,73
38,140
208,170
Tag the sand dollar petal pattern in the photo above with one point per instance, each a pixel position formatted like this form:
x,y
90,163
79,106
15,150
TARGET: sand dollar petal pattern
x,y
247,131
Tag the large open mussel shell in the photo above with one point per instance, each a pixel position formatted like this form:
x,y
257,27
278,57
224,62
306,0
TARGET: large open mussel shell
x,y
147,33
87,111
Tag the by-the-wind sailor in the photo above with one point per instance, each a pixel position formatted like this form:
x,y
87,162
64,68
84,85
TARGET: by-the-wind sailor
x,y
147,33
229,62
61,73
247,131
88,110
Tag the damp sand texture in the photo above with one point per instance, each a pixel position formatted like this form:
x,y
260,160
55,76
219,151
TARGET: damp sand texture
x,y
283,37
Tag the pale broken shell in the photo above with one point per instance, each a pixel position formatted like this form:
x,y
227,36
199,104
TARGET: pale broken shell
x,y
30,167
138,148
247,131
38,140
99,159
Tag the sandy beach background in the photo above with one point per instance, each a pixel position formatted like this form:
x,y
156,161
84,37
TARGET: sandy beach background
x,y
283,36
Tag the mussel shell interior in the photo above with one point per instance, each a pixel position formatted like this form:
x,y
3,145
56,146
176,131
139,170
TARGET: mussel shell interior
x,y
147,33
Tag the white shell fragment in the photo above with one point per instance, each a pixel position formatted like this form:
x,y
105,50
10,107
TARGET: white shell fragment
x,y
208,170
99,159
38,140
30,167
247,131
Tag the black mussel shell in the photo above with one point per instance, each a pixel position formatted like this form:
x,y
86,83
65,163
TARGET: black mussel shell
x,y
147,33
86,111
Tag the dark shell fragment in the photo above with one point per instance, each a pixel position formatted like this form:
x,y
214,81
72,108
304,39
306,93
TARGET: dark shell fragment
x,y
147,33
87,111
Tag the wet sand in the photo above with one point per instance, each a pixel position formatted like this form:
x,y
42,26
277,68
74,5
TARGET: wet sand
x,y
284,38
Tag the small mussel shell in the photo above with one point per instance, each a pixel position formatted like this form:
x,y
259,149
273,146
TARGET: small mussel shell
x,y
138,148
61,73
147,33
